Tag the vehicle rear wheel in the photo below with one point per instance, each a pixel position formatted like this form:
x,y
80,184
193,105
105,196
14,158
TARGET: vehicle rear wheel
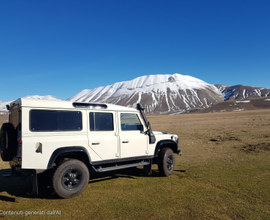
x,y
8,142
70,178
166,162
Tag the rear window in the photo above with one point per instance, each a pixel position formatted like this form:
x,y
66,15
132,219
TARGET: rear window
x,y
46,120
15,117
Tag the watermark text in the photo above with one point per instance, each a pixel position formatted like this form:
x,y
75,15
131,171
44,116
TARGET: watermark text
x,y
29,213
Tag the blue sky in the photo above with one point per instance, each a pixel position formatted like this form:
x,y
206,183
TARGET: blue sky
x,y
59,48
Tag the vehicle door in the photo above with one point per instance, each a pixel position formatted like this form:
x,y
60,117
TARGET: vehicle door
x,y
102,135
133,140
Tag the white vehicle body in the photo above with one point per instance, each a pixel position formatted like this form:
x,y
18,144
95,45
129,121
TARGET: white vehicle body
x,y
102,136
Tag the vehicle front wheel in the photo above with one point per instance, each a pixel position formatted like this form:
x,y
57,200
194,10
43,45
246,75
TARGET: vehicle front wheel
x,y
166,162
70,178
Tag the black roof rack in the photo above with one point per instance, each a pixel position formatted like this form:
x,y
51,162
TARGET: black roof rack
x,y
89,105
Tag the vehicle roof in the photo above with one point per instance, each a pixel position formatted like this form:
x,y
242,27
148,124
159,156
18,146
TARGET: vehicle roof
x,y
37,103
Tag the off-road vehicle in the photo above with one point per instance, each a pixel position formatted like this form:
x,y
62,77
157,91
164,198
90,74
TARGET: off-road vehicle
x,y
68,139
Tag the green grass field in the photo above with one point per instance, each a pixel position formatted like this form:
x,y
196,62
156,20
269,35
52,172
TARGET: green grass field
x,y
224,173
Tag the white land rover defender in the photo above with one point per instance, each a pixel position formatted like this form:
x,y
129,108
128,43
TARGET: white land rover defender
x,y
70,138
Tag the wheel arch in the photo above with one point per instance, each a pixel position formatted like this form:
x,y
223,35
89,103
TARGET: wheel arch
x,y
71,152
166,144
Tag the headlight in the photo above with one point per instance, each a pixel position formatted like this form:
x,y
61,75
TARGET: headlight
x,y
174,138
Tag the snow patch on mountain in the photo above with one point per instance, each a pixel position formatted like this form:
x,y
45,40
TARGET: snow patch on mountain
x,y
245,101
221,87
47,97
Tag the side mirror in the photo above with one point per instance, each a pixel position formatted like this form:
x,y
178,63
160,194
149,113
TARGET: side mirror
x,y
140,127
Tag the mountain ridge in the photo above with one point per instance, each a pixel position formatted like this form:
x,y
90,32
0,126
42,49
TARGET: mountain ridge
x,y
163,94
241,92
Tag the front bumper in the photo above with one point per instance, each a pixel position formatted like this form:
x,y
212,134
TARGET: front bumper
x,y
179,152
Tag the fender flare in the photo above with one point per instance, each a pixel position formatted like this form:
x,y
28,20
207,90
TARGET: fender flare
x,y
160,144
63,150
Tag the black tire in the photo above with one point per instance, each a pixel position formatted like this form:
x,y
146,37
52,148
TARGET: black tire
x,y
8,142
166,162
70,178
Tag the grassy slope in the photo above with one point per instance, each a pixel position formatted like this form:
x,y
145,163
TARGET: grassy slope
x,y
224,173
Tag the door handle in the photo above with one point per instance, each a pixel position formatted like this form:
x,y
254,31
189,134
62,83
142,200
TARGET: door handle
x,y
125,142
97,143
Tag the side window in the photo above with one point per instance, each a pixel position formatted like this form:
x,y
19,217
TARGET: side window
x,y
41,120
100,121
46,120
69,120
130,122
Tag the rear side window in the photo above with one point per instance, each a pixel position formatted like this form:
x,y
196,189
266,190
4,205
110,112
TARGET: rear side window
x,y
100,121
46,120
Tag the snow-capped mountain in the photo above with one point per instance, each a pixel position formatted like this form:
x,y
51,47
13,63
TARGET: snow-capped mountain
x,y
240,92
3,105
221,87
47,97
159,93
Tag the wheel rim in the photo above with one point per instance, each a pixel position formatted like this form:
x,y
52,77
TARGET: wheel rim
x,y
170,163
71,179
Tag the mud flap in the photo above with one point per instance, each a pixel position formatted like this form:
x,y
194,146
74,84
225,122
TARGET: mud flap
x,y
148,168
35,183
